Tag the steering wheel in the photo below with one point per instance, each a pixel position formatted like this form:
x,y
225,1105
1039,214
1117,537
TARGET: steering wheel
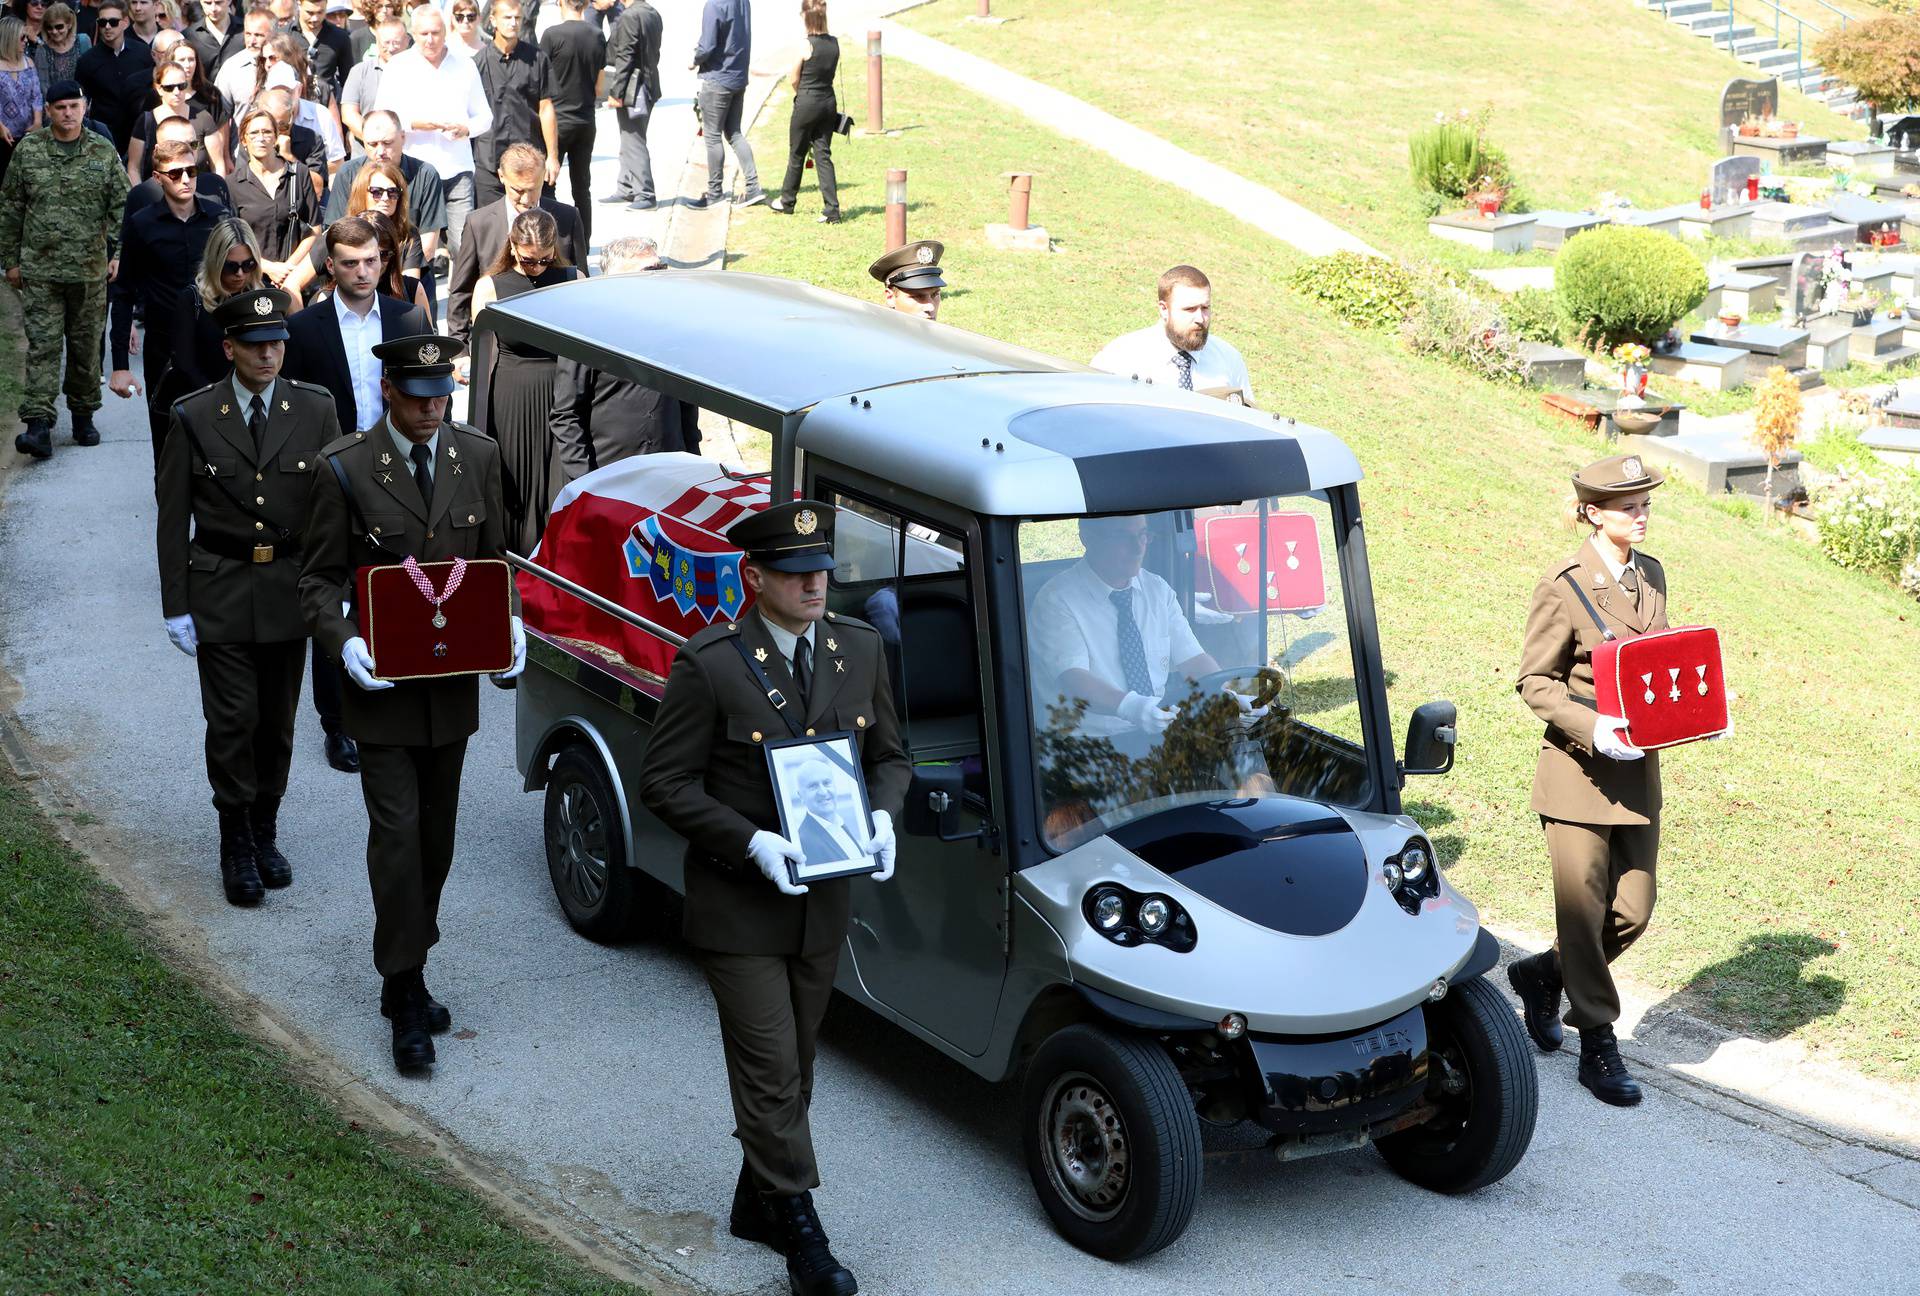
x,y
1268,681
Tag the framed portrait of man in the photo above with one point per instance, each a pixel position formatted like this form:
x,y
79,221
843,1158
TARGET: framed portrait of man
x,y
823,806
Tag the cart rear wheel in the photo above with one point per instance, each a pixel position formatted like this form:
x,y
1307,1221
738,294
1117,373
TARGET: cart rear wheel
x,y
1112,1143
1483,1080
586,857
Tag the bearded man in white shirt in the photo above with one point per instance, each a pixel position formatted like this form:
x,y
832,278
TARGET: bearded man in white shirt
x,y
1180,350
442,105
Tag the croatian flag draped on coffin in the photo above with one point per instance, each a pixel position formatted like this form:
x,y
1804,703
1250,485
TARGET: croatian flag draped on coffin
x,y
647,533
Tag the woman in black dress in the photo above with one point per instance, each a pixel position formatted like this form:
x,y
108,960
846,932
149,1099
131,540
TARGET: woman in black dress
x,y
231,264
519,388
814,113
275,196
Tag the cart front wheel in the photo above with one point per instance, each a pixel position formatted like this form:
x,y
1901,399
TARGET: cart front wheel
x,y
586,857
1112,1143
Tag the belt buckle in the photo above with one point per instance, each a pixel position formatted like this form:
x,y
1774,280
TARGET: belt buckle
x,y
263,553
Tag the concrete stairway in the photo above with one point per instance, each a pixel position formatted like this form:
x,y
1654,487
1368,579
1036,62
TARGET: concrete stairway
x,y
1750,37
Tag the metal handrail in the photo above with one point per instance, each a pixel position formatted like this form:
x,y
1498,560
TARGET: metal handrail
x,y
587,596
1801,27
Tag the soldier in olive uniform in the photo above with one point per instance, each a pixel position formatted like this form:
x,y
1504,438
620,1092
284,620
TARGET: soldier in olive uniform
x,y
236,467
767,946
60,211
911,276
1598,797
413,485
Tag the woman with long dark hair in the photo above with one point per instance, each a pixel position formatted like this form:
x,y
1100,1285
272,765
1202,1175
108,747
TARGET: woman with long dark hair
x,y
814,114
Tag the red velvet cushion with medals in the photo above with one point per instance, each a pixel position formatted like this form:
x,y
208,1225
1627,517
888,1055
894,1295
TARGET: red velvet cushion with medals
x,y
1668,685
397,620
1228,562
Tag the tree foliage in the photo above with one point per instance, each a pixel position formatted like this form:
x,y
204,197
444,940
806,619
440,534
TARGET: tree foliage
x,y
1879,57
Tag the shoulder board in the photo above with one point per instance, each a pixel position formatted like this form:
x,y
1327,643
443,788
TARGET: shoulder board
x,y
713,634
841,621
313,389
197,393
1648,559
467,429
347,442
1564,565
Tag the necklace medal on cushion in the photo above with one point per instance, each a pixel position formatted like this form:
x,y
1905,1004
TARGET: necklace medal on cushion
x,y
424,584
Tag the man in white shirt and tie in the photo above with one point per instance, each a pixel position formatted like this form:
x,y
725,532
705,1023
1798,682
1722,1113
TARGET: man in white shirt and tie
x,y
821,834
1179,350
442,105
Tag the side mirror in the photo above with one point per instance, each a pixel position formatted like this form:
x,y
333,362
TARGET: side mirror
x,y
933,801
1431,735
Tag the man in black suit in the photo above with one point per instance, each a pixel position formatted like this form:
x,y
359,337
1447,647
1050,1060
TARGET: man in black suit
x,y
522,172
330,344
217,35
329,48
117,73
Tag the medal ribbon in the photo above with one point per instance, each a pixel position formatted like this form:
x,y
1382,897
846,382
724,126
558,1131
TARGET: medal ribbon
x,y
424,583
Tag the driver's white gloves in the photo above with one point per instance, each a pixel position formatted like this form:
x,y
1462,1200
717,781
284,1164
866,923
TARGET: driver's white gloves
x,y
1608,742
1248,711
519,651
770,853
1204,613
1144,714
180,630
882,844
359,665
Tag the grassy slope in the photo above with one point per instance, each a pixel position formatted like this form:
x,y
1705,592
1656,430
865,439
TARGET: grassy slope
x,y
145,1145
1784,902
1317,99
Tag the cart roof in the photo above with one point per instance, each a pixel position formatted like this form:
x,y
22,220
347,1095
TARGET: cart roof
x,y
1009,432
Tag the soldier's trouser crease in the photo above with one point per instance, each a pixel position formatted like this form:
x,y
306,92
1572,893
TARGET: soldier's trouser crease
x,y
1603,894
770,1009
249,694
55,313
412,796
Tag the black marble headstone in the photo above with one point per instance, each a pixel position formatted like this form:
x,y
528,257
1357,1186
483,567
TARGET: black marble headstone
x,y
1745,97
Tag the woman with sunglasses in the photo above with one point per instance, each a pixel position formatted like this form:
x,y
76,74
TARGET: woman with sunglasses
x,y
517,391
56,55
230,264
20,102
464,36
378,190
173,85
33,15
275,197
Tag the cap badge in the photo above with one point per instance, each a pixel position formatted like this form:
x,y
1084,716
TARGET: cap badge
x,y
924,256
429,354
1631,467
263,305
805,522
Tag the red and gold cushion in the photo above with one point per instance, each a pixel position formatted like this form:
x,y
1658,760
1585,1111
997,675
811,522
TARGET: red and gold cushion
x,y
1669,685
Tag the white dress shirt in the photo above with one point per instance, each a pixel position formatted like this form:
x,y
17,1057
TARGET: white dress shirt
x,y
1075,626
235,84
1146,353
405,447
784,640
358,337
245,398
416,90
848,848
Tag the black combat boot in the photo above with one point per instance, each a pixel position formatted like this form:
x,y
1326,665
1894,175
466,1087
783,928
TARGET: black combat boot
x,y
37,440
412,1044
1601,1069
239,871
439,1020
750,1220
264,821
811,1268
84,432
1537,981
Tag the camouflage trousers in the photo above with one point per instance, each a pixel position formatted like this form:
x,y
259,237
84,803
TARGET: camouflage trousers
x,y
56,313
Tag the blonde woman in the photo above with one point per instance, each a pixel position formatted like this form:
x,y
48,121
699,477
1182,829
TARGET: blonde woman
x,y
56,55
231,264
20,102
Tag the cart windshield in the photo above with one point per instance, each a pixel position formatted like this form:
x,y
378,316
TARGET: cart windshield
x,y
1187,656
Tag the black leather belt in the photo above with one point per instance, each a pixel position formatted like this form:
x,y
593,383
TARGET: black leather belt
x,y
241,551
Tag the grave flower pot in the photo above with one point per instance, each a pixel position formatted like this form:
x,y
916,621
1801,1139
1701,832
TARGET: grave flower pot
x,y
1633,380
1862,318
1487,204
1729,320
1791,130
1749,130
1636,422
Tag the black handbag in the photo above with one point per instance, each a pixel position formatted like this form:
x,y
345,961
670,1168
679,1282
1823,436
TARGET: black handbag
x,y
842,121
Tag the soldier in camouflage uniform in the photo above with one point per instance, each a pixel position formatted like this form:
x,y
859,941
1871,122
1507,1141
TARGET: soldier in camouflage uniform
x,y
60,212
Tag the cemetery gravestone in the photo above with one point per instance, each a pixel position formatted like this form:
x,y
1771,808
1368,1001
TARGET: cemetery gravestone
x,y
1803,293
1744,98
1727,179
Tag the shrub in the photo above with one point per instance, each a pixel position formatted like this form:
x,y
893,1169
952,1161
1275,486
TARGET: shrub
x,y
1624,284
1870,523
1776,418
1369,291
1452,159
1533,316
1451,320
1880,58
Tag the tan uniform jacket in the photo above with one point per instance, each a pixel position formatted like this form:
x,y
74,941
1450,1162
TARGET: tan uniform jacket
x,y
235,599
1573,782
705,775
464,521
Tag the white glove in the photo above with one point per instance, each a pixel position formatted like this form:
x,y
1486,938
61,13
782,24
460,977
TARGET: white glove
x,y
185,637
882,844
1248,711
1608,742
770,853
359,663
1204,613
1144,714
519,652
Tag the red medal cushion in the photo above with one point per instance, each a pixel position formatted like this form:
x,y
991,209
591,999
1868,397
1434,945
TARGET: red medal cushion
x,y
1679,670
396,620
1229,562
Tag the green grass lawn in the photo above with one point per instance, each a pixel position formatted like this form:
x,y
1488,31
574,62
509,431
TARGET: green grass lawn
x,y
1785,904
1316,100
146,1146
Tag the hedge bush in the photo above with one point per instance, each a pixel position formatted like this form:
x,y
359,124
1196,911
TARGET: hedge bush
x,y
1368,291
1534,316
1451,320
1625,284
1871,523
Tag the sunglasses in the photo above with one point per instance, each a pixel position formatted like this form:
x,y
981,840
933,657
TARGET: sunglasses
x,y
239,267
464,15
524,259
169,87
182,172
107,22
382,191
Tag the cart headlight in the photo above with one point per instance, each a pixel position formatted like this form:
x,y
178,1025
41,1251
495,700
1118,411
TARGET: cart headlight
x,y
1413,863
1127,918
1390,872
1410,875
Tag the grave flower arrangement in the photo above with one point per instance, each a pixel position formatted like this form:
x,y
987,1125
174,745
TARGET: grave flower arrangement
x,y
1632,358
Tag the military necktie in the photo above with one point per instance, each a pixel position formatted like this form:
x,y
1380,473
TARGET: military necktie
x,y
1630,582
256,420
423,471
1183,361
1133,653
803,667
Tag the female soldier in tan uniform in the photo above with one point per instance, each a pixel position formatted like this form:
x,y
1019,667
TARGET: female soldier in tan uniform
x,y
1597,796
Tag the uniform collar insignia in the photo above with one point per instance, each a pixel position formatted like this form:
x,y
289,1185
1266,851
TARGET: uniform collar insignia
x,y
832,646
760,654
385,459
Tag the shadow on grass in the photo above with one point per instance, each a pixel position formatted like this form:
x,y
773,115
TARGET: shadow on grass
x,y
1764,991
1431,815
